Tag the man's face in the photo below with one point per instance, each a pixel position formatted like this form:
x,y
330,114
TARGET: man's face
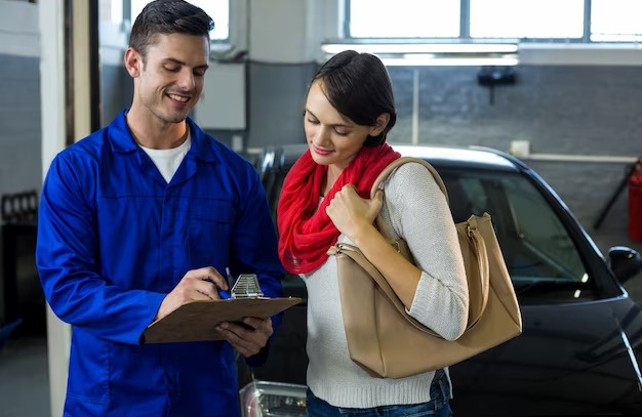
x,y
169,78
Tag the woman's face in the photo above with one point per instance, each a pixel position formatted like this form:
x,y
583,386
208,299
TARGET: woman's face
x,y
334,140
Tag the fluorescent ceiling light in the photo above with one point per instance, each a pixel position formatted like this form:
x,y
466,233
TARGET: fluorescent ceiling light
x,y
427,48
440,54
428,60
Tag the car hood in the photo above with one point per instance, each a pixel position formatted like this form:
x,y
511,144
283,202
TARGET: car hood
x,y
572,359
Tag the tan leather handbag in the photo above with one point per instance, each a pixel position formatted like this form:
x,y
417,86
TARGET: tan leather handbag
x,y
388,343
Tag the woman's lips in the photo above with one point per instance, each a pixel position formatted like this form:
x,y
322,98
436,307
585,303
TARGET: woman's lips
x,y
321,151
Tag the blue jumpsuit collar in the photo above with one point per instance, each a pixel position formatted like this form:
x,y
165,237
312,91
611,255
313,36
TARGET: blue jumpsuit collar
x,y
122,140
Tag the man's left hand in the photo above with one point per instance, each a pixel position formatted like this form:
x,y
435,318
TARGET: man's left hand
x,y
249,337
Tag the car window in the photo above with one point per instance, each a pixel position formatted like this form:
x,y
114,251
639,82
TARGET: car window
x,y
272,177
541,256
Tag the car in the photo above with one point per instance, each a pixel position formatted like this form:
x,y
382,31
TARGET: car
x,y
579,351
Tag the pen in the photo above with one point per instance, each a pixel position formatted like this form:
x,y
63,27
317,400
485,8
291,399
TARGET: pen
x,y
230,280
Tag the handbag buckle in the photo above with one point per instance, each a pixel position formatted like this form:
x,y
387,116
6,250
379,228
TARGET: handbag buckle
x,y
470,230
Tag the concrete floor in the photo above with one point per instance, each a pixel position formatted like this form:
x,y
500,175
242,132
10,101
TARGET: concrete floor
x,y
24,385
24,382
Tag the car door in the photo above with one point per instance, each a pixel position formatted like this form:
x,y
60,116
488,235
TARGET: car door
x,y
574,356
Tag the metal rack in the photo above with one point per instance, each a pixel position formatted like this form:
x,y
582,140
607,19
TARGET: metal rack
x,y
21,297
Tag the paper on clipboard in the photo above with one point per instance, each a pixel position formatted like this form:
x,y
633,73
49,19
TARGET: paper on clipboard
x,y
197,321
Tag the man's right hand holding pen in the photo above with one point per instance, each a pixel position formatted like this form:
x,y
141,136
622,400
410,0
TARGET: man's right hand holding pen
x,y
197,284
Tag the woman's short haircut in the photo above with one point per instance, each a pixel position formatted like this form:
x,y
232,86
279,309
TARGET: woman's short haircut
x,y
359,87
167,17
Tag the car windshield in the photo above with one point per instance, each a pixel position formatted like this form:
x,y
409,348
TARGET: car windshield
x,y
536,246
541,256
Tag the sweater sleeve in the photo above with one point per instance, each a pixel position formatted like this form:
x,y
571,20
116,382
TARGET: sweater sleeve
x,y
418,211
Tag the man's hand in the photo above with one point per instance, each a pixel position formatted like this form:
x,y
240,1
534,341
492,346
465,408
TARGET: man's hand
x,y
197,284
249,337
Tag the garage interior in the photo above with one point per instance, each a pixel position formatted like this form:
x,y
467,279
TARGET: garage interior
x,y
573,117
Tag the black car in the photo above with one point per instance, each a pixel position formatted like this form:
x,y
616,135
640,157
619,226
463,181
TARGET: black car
x,y
578,354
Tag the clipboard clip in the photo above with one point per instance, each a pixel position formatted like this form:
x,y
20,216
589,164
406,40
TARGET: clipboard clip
x,y
247,286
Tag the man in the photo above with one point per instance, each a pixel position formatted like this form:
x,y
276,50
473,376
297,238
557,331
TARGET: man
x,y
143,216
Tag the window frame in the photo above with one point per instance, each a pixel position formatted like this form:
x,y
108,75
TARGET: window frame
x,y
464,29
532,51
221,49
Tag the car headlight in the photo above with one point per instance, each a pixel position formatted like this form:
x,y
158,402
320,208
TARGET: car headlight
x,y
272,399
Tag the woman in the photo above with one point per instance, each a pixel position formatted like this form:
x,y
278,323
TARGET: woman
x,y
348,112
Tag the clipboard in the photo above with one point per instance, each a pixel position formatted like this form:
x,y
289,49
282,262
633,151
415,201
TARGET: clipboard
x,y
197,321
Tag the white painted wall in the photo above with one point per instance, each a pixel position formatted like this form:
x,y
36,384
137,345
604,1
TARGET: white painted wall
x,y
20,34
52,96
290,31
222,103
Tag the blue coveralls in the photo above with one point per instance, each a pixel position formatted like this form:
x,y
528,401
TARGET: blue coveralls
x,y
114,238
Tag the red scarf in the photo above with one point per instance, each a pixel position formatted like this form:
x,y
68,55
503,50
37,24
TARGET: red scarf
x,y
305,230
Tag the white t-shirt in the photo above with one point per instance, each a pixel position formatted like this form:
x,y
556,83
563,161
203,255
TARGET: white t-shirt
x,y
168,160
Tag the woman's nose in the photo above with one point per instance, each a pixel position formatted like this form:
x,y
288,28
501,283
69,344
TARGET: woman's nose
x,y
320,137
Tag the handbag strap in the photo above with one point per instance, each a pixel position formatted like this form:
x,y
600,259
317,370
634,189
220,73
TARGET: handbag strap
x,y
471,230
482,262
383,176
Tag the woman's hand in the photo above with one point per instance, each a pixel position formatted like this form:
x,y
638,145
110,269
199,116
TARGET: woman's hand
x,y
351,214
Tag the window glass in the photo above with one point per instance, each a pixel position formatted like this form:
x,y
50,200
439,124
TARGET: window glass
x,y
616,20
219,10
609,20
548,250
273,169
526,18
541,256
111,11
404,18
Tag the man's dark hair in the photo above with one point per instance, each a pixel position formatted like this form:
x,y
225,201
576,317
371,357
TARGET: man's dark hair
x,y
359,87
167,17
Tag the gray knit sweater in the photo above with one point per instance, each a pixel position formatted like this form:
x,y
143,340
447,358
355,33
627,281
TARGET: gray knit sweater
x,y
416,209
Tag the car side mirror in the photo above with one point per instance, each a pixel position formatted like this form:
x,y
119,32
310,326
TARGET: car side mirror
x,y
624,262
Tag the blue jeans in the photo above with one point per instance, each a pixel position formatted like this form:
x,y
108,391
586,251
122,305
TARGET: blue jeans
x,y
438,406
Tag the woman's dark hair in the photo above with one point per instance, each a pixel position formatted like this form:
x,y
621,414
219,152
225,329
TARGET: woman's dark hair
x,y
167,17
359,87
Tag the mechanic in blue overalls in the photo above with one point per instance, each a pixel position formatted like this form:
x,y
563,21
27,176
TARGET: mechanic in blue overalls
x,y
143,216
